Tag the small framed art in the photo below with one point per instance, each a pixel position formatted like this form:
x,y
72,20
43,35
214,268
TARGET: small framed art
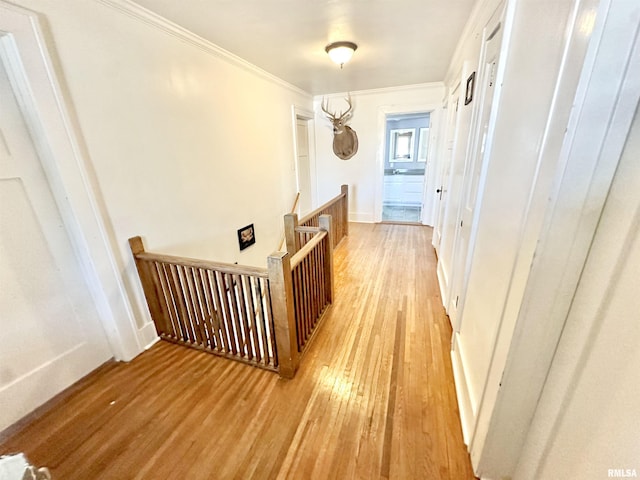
x,y
246,237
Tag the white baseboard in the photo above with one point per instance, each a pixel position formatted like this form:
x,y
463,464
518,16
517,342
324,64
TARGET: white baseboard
x,y
360,217
148,335
467,418
30,391
443,284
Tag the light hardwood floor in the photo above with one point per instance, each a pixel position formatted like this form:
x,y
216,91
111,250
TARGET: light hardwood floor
x,y
374,397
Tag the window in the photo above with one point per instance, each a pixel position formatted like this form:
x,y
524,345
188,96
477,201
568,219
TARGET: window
x,y
423,144
401,145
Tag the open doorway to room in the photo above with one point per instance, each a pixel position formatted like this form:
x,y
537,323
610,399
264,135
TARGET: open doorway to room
x,y
304,160
405,161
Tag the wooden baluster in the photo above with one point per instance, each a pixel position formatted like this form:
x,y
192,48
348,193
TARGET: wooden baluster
x,y
227,318
345,210
290,234
280,284
262,318
186,301
320,297
168,300
149,287
252,317
246,317
202,310
319,276
192,307
326,224
311,287
234,317
314,284
301,318
213,322
271,323
261,321
218,293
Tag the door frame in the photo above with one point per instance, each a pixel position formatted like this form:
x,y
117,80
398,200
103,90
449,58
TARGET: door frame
x,y
602,110
54,127
446,210
461,260
299,113
432,163
450,131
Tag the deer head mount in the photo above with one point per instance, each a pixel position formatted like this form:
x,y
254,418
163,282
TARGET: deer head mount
x,y
345,139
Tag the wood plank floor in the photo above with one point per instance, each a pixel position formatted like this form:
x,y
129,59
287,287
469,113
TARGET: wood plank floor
x,y
374,397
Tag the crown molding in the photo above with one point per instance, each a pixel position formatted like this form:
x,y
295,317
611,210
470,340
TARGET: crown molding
x,y
133,10
379,91
480,15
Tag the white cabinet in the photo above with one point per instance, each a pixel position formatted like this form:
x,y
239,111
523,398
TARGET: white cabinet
x,y
403,189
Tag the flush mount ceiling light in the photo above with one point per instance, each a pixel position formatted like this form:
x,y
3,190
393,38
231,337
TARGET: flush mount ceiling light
x,y
340,52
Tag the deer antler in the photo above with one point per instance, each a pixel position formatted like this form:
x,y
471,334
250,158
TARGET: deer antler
x,y
325,109
348,113
341,116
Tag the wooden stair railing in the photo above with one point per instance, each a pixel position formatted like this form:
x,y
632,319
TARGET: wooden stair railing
x,y
337,208
265,317
221,308
312,278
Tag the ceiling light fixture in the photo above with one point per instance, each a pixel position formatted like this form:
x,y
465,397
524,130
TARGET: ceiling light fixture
x,y
340,52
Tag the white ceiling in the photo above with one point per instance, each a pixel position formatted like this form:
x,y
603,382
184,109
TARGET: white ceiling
x,y
400,42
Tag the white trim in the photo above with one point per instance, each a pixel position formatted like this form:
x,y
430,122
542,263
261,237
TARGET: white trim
x,y
462,261
31,390
50,117
148,335
606,99
148,17
467,418
307,115
482,11
360,217
432,110
381,91
433,168
442,283
444,276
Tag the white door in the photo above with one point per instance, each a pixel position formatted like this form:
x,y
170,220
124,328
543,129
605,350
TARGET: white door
x,y
303,167
449,150
50,333
484,93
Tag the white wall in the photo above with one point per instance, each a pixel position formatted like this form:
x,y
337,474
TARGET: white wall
x,y
603,108
533,64
532,215
587,419
364,171
172,133
516,179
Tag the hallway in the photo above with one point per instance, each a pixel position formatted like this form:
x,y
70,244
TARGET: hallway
x,y
374,396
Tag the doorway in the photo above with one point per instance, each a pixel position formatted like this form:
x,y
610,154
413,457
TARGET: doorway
x,y
303,167
476,155
50,331
405,161
304,160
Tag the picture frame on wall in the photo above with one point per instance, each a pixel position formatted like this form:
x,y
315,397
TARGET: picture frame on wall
x,y
246,237
468,97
